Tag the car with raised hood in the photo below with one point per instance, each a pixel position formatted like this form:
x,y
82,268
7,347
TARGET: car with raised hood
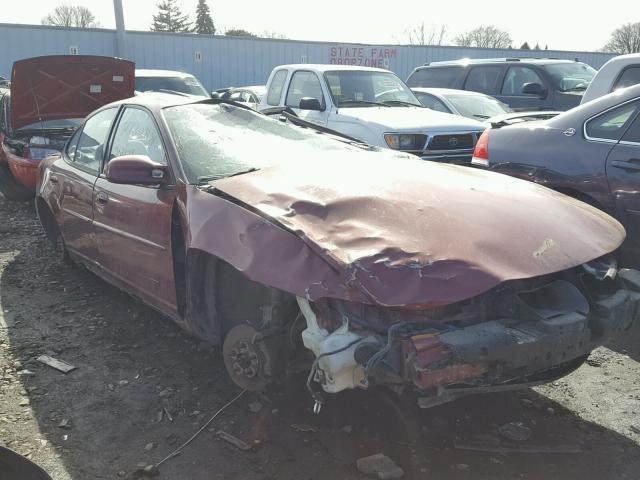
x,y
619,72
250,96
521,83
371,105
169,81
591,153
294,247
48,99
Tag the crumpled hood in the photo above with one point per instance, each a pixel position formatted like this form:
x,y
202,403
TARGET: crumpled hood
x,y
67,86
410,119
409,232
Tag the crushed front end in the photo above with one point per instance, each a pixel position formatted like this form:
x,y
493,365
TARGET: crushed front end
x,y
520,333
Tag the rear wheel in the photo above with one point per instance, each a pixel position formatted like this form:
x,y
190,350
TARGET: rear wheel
x,y
11,188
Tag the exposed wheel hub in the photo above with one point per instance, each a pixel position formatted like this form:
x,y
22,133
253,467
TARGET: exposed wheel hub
x,y
246,357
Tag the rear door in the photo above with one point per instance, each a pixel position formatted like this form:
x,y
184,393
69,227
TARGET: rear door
x,y
75,174
133,222
623,167
516,77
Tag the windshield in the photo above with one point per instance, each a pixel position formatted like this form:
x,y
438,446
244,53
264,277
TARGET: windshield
x,y
189,85
217,141
478,106
357,88
570,77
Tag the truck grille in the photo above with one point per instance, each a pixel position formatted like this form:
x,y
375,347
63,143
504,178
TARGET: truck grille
x,y
452,142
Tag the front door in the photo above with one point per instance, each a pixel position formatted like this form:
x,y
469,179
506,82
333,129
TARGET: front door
x,y
513,84
75,174
132,223
306,84
623,173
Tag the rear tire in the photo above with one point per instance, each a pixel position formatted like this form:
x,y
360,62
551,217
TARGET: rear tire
x,y
11,188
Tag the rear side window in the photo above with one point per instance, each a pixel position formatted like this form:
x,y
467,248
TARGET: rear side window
x,y
612,124
276,87
434,77
630,76
483,79
516,78
633,134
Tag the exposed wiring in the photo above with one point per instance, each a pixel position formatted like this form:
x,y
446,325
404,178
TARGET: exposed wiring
x,y
380,354
178,450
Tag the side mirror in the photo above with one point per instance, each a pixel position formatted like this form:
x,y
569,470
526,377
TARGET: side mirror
x,y
534,88
136,170
310,103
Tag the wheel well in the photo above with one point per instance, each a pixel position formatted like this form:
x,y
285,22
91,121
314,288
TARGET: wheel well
x,y
219,296
47,219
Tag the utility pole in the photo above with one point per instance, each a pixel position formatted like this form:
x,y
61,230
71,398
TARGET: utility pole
x,y
121,41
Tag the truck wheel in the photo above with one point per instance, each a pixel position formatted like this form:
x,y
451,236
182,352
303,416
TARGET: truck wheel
x,y
11,188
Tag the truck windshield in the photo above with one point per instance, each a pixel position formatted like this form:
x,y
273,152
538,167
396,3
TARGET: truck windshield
x,y
357,88
570,77
218,141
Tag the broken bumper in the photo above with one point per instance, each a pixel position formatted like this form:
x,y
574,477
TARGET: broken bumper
x,y
531,336
545,341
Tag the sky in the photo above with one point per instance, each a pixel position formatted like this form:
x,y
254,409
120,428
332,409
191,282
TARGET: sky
x,y
562,25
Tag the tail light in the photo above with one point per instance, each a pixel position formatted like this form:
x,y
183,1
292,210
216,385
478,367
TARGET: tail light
x,y
481,152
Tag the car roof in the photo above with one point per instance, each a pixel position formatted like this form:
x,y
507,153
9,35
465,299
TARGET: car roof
x,y
142,72
448,91
327,67
463,62
258,89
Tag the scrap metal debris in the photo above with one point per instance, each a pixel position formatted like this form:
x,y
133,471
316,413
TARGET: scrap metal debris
x,y
304,428
59,365
379,465
515,431
233,440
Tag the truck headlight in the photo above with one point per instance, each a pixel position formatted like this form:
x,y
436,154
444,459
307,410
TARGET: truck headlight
x,y
398,141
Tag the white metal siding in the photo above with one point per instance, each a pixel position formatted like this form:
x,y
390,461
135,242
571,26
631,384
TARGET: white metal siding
x,y
230,61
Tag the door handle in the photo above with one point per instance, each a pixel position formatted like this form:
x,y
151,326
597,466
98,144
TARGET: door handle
x,y
102,198
53,179
632,164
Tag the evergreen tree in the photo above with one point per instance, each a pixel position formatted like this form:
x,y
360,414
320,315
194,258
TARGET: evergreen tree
x,y
204,22
170,18
525,46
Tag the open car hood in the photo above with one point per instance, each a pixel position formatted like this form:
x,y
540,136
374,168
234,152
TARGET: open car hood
x,y
408,232
66,86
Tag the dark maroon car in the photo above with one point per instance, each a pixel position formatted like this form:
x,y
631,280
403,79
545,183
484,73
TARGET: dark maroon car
x,y
591,153
266,238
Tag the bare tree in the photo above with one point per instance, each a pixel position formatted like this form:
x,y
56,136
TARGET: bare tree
x,y
71,16
426,35
625,39
484,37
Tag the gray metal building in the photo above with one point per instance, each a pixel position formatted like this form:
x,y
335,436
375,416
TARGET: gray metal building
x,y
220,61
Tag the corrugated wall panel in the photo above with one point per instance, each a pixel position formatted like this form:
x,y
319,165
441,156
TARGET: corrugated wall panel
x,y
233,61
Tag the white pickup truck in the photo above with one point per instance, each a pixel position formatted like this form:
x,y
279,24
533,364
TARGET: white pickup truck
x,y
372,105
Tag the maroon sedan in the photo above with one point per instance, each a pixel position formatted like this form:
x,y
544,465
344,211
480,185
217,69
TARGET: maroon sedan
x,y
285,244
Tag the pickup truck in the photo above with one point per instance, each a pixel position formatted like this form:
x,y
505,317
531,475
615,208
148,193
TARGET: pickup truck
x,y
371,105
619,72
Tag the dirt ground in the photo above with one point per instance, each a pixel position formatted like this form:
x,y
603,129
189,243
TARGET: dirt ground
x,y
142,387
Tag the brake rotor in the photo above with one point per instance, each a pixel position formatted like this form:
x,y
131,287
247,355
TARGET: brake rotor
x,y
246,357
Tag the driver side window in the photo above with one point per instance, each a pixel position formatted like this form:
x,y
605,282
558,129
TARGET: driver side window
x,y
303,84
136,134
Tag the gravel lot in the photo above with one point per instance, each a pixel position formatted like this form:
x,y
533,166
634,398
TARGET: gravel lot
x,y
142,387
